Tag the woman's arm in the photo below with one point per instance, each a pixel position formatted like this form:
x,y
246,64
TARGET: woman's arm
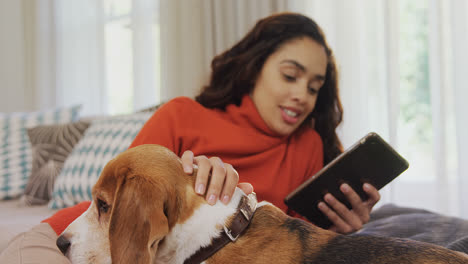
x,y
165,128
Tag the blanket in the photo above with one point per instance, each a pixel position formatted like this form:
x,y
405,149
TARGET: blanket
x,y
418,224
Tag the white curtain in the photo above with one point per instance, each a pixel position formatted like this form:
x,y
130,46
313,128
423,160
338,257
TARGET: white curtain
x,y
66,59
71,58
193,32
458,22
79,60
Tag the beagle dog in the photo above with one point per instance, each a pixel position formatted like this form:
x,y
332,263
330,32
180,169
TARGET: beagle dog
x,y
145,210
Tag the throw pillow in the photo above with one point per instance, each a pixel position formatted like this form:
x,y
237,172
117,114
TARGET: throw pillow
x,y
51,145
15,149
102,141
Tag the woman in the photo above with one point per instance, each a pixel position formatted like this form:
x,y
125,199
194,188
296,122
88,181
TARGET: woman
x,y
279,81
270,111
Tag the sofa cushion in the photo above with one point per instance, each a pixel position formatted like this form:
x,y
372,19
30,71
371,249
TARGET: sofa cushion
x,y
102,141
15,149
51,145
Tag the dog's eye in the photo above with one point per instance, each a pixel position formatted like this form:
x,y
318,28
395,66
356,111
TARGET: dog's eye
x,y
155,244
103,207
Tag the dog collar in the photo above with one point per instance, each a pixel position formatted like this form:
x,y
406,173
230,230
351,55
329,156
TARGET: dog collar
x,y
240,222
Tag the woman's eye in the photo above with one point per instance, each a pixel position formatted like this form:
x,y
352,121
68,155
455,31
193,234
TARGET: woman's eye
x,y
103,207
289,78
314,86
312,90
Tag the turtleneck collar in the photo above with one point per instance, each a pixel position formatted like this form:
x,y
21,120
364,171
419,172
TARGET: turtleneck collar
x,y
247,114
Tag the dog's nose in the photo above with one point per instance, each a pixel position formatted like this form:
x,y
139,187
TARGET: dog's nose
x,y
63,244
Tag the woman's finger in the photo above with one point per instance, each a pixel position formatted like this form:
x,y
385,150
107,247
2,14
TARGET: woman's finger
x,y
373,193
203,174
230,183
187,161
216,182
359,207
246,187
339,225
343,212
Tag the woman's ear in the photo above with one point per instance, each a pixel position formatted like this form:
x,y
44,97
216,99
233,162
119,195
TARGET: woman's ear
x,y
138,219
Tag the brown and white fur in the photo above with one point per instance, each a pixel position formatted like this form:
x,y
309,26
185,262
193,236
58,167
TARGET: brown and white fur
x,y
145,210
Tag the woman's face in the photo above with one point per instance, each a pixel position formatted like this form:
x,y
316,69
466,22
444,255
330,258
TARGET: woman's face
x,y
288,84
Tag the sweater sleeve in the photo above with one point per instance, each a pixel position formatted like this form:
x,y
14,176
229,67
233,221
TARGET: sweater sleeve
x,y
63,218
315,163
316,158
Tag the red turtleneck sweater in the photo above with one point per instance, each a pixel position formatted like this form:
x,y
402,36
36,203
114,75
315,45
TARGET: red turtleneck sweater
x,y
274,165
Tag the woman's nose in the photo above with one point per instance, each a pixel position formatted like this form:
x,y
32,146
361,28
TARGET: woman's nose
x,y
299,93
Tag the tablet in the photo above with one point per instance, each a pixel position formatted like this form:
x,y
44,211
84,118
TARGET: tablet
x,y
370,160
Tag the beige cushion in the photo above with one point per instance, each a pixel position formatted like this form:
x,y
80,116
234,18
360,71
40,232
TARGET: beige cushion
x,y
51,145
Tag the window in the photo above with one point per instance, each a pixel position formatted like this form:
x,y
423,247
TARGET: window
x,y
426,126
415,119
132,57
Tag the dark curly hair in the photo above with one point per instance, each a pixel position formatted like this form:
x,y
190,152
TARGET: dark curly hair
x,y
235,71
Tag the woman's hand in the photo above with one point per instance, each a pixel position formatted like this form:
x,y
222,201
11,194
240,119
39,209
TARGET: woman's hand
x,y
222,177
345,220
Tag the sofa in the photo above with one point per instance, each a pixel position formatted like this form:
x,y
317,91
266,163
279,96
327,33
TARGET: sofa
x,y
50,160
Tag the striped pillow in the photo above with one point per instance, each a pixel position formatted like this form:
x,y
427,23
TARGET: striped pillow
x,y
51,145
15,149
102,141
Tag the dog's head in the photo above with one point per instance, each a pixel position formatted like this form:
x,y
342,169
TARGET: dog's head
x,y
139,196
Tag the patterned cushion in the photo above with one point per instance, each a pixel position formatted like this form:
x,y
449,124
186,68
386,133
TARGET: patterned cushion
x,y
102,141
51,145
15,149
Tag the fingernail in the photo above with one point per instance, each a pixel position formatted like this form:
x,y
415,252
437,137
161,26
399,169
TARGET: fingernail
x,y
226,199
187,169
345,187
200,188
321,205
212,199
367,186
328,198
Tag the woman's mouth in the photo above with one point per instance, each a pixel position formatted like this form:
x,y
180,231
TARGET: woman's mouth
x,y
289,116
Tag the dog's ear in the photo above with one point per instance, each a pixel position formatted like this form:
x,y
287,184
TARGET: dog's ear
x,y
175,195
138,221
